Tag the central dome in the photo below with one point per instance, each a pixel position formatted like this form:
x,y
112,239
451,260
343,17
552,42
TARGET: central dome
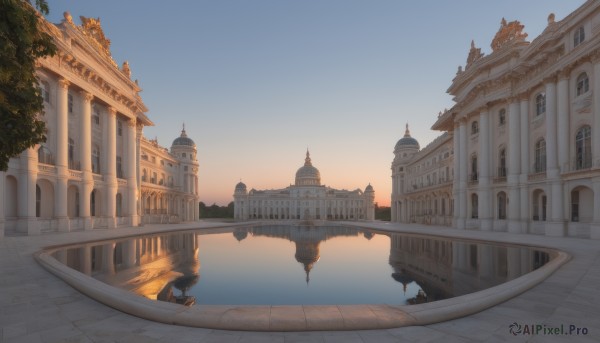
x,y
308,175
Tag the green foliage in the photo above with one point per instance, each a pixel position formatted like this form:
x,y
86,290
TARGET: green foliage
x,y
22,42
383,213
216,211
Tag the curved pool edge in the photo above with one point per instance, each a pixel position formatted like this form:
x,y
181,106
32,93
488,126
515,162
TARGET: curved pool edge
x,y
296,317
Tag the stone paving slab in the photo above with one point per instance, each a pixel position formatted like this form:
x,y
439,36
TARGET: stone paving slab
x,y
35,306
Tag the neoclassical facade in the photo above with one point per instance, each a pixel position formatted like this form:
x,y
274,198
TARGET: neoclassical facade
x,y
525,130
422,181
87,174
307,199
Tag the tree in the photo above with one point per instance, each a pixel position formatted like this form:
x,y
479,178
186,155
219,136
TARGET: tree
x,y
22,42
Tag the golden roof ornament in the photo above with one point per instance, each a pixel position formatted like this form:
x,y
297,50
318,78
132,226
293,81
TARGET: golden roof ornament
x,y
68,17
474,54
508,33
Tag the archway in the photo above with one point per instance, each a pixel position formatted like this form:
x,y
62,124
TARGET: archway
x,y
44,199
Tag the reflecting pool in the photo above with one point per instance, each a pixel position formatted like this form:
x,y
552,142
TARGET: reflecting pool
x,y
296,265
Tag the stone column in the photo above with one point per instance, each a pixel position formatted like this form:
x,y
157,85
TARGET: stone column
x,y
85,153
27,182
514,166
595,225
556,225
131,174
62,155
455,178
525,164
485,213
110,177
462,184
2,205
562,127
596,120
138,153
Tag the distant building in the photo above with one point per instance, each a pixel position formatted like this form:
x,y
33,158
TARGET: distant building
x,y
525,131
307,199
422,181
87,174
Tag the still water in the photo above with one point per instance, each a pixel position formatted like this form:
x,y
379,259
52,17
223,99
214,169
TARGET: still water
x,y
295,265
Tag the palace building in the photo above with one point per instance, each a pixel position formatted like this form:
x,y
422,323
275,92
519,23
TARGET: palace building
x,y
96,169
525,131
307,199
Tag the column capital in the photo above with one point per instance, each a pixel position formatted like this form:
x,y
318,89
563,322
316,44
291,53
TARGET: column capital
x,y
565,73
64,83
550,78
595,56
132,122
524,96
87,97
513,99
111,111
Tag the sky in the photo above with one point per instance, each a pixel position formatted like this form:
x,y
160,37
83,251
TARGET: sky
x,y
258,82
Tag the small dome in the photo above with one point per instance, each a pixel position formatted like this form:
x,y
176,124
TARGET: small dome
x,y
407,141
369,188
240,187
183,140
308,175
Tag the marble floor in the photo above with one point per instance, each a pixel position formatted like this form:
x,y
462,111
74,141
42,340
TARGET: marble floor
x,y
36,306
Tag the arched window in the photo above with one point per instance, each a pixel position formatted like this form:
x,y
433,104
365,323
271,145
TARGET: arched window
x,y
502,163
540,104
540,156
474,168
583,84
93,203
119,205
44,155
119,128
119,167
96,159
38,201
71,153
474,206
45,91
96,115
474,127
70,102
579,36
502,117
583,148
501,205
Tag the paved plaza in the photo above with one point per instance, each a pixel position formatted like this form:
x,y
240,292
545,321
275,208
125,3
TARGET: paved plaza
x,y
36,306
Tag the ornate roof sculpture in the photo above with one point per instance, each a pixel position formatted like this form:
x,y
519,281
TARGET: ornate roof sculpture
x,y
508,33
474,54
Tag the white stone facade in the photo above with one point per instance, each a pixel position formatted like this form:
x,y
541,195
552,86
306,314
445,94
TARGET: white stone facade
x,y
86,175
307,199
422,181
526,130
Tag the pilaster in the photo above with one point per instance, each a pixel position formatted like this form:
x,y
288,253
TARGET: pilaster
x,y
596,106
562,126
525,163
62,153
462,189
28,222
514,166
484,172
85,153
110,175
556,225
131,169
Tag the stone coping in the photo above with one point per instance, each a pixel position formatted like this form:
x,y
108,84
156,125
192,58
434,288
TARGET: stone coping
x,y
297,317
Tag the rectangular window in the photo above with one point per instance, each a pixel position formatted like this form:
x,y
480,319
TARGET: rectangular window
x,y
70,102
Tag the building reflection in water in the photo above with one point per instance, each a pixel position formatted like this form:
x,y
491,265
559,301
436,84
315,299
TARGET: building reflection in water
x,y
442,268
306,238
150,266
166,267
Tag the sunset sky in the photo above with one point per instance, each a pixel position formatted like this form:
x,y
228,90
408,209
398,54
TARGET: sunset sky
x,y
257,82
